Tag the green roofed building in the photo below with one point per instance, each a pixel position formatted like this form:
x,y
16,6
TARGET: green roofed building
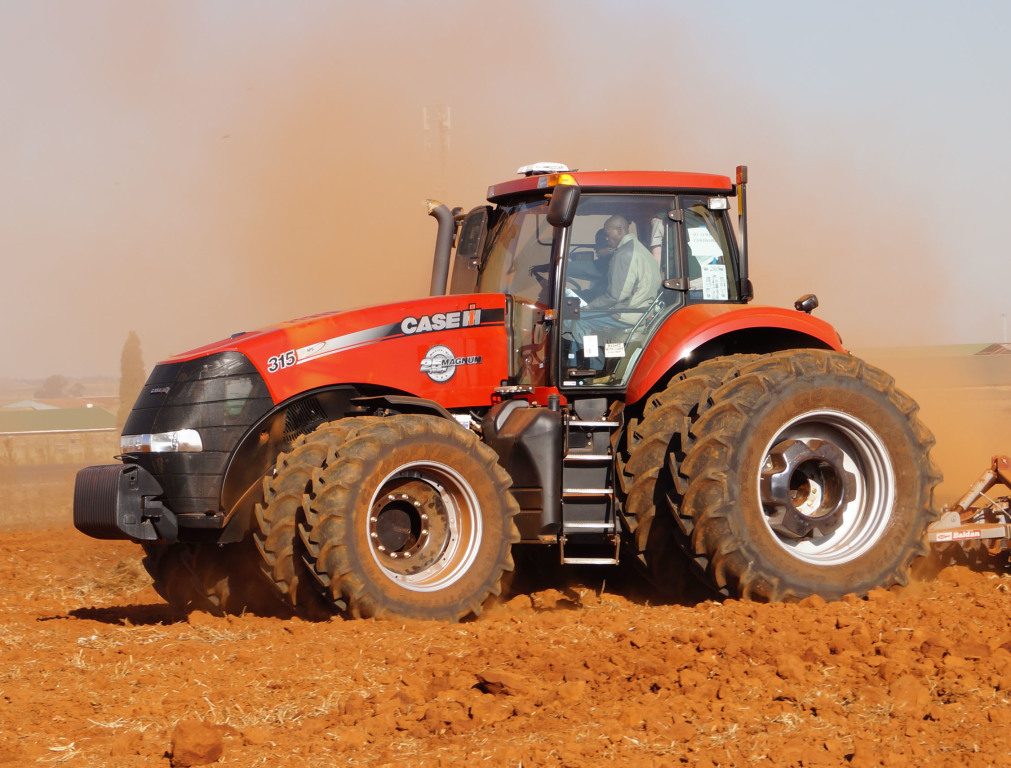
x,y
56,435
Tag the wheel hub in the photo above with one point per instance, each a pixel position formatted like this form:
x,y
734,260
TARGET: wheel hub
x,y
805,488
397,526
408,526
399,522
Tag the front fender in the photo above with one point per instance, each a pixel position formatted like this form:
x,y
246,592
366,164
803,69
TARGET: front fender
x,y
693,326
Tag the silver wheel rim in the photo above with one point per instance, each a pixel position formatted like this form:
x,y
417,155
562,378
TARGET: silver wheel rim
x,y
865,516
424,526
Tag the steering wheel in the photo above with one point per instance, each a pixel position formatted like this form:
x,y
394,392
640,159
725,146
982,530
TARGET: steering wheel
x,y
574,286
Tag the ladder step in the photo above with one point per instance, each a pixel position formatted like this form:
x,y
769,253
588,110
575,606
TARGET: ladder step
x,y
598,560
605,424
588,457
587,493
590,561
583,526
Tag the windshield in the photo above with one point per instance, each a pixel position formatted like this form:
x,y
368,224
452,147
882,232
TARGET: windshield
x,y
518,259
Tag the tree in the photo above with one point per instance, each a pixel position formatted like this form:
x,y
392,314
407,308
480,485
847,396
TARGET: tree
x,y
131,377
53,387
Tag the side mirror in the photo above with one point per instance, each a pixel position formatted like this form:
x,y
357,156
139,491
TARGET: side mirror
x,y
562,207
469,247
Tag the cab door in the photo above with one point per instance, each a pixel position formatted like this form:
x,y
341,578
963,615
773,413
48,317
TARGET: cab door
x,y
614,294
518,259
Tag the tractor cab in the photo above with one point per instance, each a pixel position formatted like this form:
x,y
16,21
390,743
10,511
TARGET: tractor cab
x,y
595,263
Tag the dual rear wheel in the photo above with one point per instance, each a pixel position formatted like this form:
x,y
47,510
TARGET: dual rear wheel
x,y
781,476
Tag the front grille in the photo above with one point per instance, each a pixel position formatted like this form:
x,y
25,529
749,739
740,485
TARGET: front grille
x,y
220,396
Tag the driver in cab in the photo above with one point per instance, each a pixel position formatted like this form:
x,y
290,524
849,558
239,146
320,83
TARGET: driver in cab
x,y
633,282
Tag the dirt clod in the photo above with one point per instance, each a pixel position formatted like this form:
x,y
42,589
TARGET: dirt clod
x,y
196,743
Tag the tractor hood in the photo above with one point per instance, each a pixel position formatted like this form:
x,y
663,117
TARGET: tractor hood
x,y
450,349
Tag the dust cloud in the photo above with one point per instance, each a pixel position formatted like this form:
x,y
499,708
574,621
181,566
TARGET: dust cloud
x,y
964,400
190,173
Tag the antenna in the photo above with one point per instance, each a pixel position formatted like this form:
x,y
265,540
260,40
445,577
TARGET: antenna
x,y
435,122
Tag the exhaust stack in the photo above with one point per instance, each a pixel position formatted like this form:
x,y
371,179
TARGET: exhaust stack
x,y
443,246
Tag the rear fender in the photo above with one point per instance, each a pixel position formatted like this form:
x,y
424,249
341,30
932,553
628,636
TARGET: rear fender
x,y
700,331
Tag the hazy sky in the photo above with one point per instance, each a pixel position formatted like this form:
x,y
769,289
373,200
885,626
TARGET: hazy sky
x,y
191,169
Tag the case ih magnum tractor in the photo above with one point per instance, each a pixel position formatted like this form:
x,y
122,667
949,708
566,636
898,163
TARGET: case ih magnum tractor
x,y
594,380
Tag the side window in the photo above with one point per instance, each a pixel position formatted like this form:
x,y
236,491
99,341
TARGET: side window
x,y
530,345
710,266
470,246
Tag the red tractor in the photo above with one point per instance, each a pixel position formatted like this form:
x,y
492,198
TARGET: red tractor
x,y
594,380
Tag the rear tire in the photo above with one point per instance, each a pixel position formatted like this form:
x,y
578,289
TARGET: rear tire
x,y
413,518
652,448
810,474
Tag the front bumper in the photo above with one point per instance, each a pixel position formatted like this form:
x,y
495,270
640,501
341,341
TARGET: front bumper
x,y
119,501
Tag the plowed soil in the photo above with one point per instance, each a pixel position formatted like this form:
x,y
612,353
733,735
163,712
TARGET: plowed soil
x,y
98,671
579,668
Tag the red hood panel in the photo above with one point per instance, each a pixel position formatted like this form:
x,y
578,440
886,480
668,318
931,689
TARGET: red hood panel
x,y
450,349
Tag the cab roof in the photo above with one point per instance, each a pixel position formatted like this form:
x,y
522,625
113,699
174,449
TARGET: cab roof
x,y
617,181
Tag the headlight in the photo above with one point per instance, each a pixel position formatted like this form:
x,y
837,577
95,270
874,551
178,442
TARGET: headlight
x,y
163,442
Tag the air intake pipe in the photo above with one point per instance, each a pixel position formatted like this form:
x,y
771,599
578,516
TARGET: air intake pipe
x,y
443,246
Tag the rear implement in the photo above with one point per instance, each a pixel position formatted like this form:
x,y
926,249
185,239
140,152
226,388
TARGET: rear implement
x,y
980,523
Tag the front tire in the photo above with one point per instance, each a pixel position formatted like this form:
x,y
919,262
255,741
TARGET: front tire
x,y
413,518
215,579
274,520
809,474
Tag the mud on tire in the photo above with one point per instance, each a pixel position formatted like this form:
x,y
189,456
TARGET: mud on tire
x,y
412,518
809,474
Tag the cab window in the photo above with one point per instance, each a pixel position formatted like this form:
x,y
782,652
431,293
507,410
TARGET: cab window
x,y
710,265
518,254
620,249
